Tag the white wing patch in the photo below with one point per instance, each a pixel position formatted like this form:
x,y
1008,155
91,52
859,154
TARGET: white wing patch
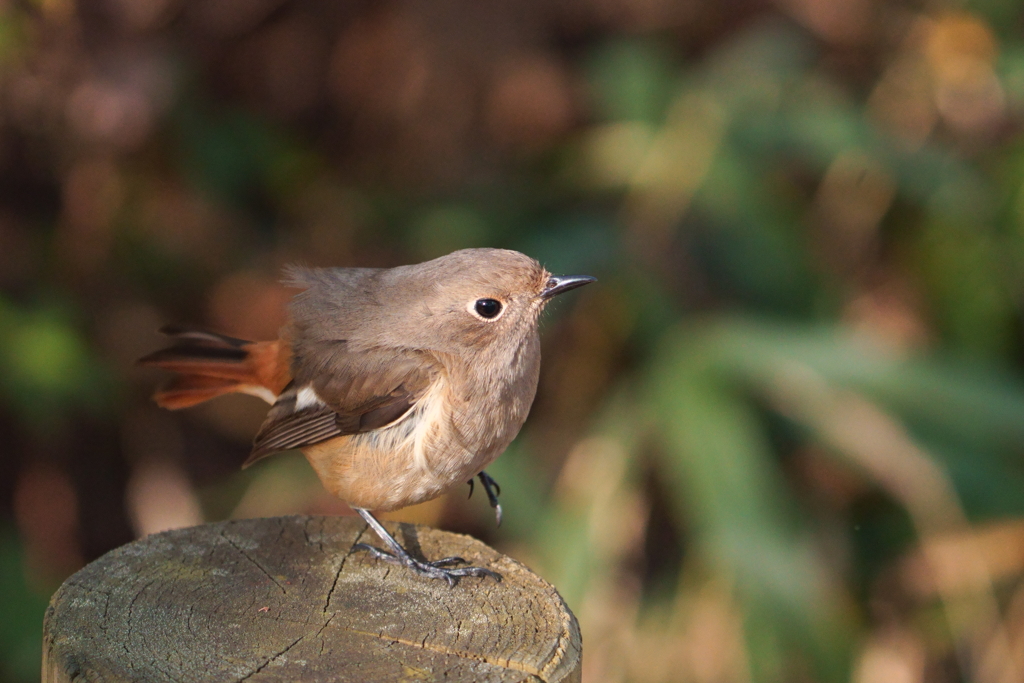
x,y
307,398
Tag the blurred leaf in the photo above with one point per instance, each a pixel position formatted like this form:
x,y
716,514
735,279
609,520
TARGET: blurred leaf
x,y
964,269
446,228
45,366
632,80
584,244
21,628
962,399
750,68
233,155
13,37
1001,15
746,240
735,500
972,416
574,529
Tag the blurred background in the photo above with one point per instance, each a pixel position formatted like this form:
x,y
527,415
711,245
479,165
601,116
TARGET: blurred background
x,y
781,440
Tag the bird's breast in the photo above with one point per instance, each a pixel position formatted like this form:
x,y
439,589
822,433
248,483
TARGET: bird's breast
x,y
452,432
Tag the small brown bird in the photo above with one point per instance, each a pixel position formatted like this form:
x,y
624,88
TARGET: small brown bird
x,y
396,384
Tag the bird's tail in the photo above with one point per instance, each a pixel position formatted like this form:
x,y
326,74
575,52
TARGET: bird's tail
x,y
210,365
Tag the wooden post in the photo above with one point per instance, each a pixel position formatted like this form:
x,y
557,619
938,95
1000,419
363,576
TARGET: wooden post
x,y
282,599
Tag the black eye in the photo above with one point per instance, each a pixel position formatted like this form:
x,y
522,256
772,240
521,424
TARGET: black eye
x,y
487,308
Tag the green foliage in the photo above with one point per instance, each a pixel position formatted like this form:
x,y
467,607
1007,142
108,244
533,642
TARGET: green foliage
x,y
809,238
22,626
46,368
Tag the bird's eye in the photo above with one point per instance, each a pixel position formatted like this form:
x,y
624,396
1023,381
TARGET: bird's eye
x,y
487,308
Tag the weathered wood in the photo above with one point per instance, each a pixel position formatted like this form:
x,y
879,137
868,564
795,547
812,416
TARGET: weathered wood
x,y
282,599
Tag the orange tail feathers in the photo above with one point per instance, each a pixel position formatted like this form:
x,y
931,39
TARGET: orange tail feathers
x,y
210,365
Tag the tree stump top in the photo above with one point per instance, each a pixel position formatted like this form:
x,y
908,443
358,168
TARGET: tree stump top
x,y
282,599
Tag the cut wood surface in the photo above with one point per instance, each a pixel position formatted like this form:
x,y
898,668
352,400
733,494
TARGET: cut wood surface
x,y
283,599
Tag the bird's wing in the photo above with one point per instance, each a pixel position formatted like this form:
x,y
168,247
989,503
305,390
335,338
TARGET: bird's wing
x,y
350,393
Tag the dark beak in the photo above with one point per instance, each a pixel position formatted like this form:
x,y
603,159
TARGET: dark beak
x,y
563,283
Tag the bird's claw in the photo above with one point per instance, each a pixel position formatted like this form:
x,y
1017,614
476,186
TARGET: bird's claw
x,y
493,491
438,569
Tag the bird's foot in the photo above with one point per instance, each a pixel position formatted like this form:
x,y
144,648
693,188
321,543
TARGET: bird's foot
x,y
493,491
438,569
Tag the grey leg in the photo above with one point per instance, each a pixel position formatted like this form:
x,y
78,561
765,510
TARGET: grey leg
x,y
438,569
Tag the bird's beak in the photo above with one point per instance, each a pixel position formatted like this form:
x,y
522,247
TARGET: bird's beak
x,y
563,283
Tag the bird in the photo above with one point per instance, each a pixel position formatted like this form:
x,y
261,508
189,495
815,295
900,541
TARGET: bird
x,y
397,384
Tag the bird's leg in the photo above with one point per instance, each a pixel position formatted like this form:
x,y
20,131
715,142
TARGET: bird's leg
x,y
493,491
438,569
